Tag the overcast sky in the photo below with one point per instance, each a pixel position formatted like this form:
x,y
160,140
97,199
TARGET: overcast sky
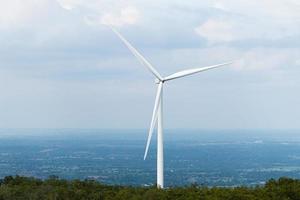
x,y
60,67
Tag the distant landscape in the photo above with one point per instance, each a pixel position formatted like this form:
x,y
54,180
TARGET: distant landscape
x,y
115,157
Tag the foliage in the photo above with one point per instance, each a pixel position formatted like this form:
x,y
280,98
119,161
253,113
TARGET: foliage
x,y
19,188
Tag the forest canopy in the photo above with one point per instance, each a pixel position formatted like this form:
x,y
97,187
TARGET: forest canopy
x,y
53,188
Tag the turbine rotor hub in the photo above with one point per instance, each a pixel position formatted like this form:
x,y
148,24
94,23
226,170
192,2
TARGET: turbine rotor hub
x,y
157,81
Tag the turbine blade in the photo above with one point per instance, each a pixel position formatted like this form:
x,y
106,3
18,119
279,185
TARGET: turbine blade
x,y
193,71
154,117
138,55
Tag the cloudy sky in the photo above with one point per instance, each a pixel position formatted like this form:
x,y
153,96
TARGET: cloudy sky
x,y
60,67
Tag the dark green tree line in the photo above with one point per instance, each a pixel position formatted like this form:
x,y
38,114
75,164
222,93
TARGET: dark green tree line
x,y
53,188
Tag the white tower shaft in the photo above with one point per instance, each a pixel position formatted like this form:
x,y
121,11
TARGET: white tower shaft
x,y
160,145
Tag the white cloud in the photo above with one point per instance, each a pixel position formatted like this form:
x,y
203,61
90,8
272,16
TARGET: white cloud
x,y
251,20
70,4
261,9
127,16
217,30
116,12
19,13
228,29
268,59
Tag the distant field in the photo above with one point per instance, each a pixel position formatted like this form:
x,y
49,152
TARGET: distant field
x,y
211,158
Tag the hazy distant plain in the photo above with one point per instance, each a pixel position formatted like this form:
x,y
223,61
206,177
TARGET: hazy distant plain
x,y
210,157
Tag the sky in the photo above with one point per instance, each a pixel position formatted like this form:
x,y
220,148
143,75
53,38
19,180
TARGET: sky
x,y
61,67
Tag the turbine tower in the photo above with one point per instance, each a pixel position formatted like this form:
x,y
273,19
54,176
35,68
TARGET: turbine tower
x,y
157,115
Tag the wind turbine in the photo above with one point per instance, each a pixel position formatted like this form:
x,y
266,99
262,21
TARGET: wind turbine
x,y
157,115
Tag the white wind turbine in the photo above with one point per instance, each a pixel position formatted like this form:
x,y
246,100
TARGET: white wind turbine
x,y
157,115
